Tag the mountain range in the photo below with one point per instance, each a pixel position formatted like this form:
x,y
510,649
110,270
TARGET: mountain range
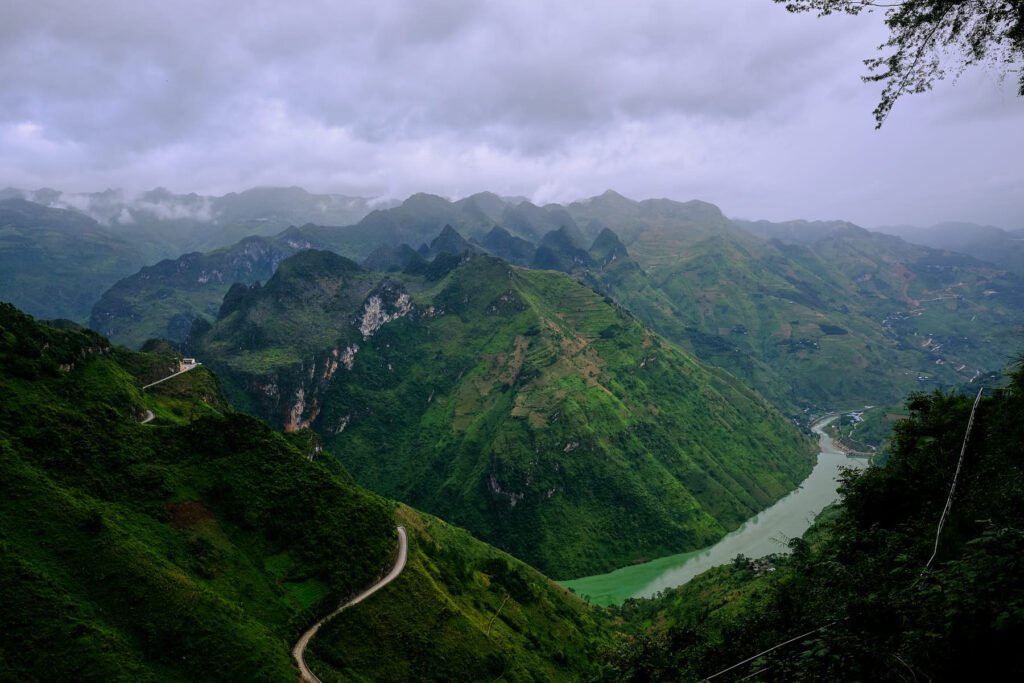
x,y
60,251
198,544
579,386
1004,248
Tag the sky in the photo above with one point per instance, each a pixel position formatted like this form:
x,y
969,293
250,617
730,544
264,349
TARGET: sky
x,y
736,102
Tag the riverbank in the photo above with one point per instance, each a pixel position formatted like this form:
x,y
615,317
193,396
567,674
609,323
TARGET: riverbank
x,y
763,534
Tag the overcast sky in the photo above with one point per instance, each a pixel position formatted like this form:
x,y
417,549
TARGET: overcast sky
x,y
735,102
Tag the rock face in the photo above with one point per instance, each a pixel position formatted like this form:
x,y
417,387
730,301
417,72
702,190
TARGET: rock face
x,y
388,303
517,403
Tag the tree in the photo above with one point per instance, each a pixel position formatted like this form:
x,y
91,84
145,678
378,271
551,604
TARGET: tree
x,y
923,33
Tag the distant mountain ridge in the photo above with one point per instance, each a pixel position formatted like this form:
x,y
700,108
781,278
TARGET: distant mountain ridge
x,y
730,291
54,263
767,301
166,224
1004,248
165,299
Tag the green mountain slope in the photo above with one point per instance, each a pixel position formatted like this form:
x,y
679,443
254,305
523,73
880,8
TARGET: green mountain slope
x,y
54,262
461,612
160,553
198,546
812,314
517,403
1004,248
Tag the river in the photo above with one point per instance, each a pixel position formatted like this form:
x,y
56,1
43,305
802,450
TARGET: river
x,y
763,534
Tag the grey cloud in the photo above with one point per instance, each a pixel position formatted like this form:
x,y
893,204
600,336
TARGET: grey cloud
x,y
736,102
135,79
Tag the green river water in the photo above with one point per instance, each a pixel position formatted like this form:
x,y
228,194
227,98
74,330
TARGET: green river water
x,y
762,534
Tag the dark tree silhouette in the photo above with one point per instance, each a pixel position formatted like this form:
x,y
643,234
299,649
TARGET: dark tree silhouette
x,y
925,34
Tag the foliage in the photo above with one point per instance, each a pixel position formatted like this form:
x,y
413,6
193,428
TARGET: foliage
x,y
55,262
460,611
517,403
922,32
199,548
771,310
164,300
860,583
145,552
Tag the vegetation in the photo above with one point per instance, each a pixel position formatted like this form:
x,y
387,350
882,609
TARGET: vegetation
x,y
164,300
867,431
55,263
198,546
923,32
173,553
819,316
517,403
813,315
862,585
461,611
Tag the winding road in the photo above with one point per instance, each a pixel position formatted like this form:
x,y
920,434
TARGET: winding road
x,y
185,367
300,647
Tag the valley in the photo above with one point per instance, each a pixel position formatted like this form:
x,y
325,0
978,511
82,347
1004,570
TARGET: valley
x,y
766,533
542,404
512,342
614,390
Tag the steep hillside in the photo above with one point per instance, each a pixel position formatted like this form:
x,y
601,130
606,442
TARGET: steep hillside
x,y
859,599
198,546
158,552
461,612
54,263
163,300
517,403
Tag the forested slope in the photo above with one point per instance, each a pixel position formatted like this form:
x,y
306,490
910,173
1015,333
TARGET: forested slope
x,y
860,583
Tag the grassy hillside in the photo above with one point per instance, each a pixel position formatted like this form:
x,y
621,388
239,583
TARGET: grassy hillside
x,y
158,552
198,546
460,611
517,403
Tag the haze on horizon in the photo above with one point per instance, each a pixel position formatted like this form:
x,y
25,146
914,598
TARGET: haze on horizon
x,y
737,103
